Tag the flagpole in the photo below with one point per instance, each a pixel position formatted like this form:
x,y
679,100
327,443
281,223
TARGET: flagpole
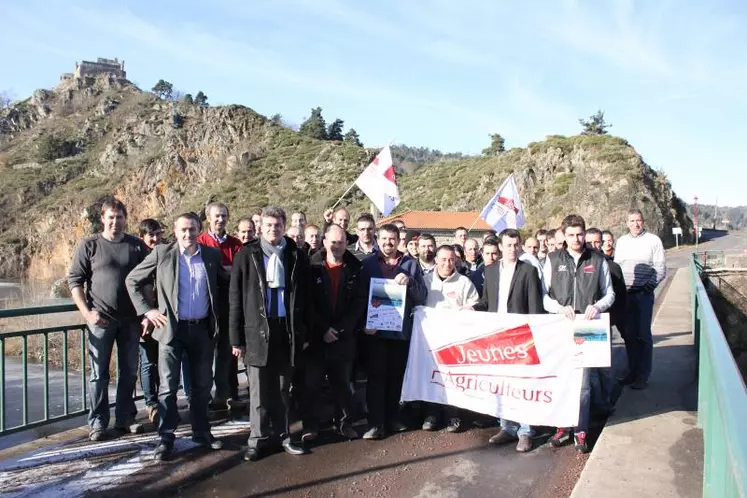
x,y
353,184
473,224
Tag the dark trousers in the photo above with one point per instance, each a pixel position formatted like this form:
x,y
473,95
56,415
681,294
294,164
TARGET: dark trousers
x,y
226,369
386,360
639,342
149,380
196,343
338,373
125,334
269,390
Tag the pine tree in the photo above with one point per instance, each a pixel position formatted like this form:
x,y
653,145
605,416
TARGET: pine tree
x,y
188,99
497,145
163,89
351,137
334,130
595,125
314,126
201,99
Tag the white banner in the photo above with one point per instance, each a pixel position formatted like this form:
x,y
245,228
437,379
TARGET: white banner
x,y
517,367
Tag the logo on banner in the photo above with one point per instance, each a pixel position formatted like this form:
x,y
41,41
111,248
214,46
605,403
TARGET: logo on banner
x,y
502,347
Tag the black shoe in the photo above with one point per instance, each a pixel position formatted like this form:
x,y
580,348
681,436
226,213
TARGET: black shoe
x,y
375,432
293,449
251,455
348,432
430,423
397,427
208,440
627,380
455,425
309,435
163,450
97,435
639,384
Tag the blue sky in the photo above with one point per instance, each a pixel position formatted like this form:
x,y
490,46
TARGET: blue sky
x,y
671,78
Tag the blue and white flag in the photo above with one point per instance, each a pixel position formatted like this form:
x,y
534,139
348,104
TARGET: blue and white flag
x,y
504,210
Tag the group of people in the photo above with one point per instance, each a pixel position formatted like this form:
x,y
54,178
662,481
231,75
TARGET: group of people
x,y
289,298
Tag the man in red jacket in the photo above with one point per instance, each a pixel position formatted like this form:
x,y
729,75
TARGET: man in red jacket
x,y
225,366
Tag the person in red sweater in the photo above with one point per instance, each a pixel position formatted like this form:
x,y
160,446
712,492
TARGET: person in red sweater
x,y
225,366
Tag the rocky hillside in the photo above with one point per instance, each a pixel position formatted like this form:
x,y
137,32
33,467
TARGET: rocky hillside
x,y
62,150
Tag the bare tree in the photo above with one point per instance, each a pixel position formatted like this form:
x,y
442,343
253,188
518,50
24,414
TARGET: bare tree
x,y
6,97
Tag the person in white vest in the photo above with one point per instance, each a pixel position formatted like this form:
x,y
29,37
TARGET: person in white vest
x,y
447,288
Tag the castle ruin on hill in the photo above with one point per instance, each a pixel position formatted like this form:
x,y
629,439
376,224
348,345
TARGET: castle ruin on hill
x,y
87,69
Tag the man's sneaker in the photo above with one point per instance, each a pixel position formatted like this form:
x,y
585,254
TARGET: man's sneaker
x,y
97,435
525,444
375,432
560,437
208,440
502,438
309,435
153,415
131,428
430,423
455,425
580,440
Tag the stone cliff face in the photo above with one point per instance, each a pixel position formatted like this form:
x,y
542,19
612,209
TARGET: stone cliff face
x,y
62,151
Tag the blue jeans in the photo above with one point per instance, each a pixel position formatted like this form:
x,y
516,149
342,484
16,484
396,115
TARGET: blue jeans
x,y
101,340
516,429
149,370
639,343
194,341
585,405
601,389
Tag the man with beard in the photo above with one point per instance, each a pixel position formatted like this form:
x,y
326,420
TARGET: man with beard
x,y
338,302
268,311
427,253
365,226
560,240
577,280
225,366
386,350
472,254
541,237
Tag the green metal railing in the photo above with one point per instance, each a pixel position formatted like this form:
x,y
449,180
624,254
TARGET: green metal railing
x,y
45,333
722,399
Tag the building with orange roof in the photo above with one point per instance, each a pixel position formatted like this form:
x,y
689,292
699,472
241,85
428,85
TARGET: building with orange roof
x,y
441,224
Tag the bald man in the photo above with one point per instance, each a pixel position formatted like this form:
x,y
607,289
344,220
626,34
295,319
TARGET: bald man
x,y
341,218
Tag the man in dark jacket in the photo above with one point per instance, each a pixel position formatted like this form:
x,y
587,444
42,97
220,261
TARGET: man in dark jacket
x,y
512,286
338,302
490,254
267,316
386,350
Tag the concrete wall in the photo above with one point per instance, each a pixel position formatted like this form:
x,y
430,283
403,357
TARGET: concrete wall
x,y
728,294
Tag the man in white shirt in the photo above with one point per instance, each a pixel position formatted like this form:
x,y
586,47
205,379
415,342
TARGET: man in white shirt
x,y
447,288
640,255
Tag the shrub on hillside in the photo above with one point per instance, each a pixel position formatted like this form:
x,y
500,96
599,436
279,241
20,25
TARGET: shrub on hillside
x,y
53,147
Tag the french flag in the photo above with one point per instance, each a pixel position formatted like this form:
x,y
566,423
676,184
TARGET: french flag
x,y
504,210
378,183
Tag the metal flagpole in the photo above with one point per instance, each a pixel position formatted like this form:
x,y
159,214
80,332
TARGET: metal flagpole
x,y
473,224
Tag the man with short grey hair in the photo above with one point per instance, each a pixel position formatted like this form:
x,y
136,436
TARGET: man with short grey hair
x,y
268,313
640,255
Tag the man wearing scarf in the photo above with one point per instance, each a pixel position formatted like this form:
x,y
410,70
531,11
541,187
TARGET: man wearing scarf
x,y
270,281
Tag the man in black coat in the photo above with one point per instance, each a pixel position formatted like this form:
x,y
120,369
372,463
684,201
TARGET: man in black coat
x,y
268,312
512,286
338,302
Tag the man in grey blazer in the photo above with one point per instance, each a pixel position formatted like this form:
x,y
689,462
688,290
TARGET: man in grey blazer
x,y
192,285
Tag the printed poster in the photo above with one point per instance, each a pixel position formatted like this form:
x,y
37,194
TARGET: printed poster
x,y
386,305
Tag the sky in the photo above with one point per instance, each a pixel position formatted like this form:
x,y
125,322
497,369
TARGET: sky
x,y
670,76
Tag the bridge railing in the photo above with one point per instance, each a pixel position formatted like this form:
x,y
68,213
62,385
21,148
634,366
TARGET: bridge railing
x,y
722,399
46,335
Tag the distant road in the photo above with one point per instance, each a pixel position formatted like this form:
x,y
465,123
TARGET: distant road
x,y
733,242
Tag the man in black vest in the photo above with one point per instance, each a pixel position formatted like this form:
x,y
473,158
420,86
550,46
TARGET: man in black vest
x,y
577,280
338,302
267,324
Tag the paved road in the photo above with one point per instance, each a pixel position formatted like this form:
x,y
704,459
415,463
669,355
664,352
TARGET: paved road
x,y
731,243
